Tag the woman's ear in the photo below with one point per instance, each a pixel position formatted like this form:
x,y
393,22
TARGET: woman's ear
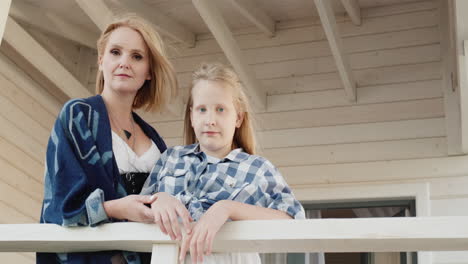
x,y
100,63
240,119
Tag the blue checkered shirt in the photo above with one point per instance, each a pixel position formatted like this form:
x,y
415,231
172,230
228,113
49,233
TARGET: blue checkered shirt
x,y
199,181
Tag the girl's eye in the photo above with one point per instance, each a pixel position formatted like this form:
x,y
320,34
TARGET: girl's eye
x,y
202,109
220,109
115,52
137,57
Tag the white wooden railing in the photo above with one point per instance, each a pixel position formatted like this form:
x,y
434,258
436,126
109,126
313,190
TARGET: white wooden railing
x,y
315,235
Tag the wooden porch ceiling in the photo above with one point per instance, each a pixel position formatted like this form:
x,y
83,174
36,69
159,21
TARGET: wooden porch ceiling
x,y
181,21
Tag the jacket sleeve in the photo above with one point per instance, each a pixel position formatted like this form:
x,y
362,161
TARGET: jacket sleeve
x,y
73,164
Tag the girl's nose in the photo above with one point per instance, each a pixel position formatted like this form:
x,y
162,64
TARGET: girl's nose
x,y
210,119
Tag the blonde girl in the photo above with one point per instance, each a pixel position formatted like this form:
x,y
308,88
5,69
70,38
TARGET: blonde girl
x,y
217,177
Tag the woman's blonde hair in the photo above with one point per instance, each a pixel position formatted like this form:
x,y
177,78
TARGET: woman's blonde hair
x,y
244,136
156,93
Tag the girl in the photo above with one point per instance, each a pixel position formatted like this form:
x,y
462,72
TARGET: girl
x,y
100,152
217,178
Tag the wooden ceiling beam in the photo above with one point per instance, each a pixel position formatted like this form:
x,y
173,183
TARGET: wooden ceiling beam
x,y
256,15
223,35
98,11
354,11
163,24
25,45
53,23
327,17
4,9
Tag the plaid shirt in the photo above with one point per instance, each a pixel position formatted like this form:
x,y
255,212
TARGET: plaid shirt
x,y
199,181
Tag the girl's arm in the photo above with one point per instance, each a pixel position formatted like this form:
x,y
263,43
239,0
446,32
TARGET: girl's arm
x,y
241,211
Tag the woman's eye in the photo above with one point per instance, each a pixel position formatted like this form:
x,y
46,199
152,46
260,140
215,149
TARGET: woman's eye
x,y
202,109
137,57
115,52
220,109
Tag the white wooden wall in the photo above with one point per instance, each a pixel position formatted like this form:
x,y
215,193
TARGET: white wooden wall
x,y
395,133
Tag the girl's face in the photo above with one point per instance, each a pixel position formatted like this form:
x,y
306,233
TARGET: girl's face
x,y
125,61
214,117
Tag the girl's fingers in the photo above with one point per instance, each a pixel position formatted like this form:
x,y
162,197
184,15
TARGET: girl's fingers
x,y
147,214
167,224
193,248
209,244
174,225
184,248
185,216
201,245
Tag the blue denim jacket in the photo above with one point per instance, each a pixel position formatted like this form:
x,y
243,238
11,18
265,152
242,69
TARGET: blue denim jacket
x,y
81,173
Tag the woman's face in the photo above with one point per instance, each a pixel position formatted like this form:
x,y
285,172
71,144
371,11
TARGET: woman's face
x,y
125,61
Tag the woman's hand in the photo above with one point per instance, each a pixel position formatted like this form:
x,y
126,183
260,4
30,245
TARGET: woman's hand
x,y
131,207
200,241
166,209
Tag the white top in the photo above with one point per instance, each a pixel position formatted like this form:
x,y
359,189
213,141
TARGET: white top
x,y
128,161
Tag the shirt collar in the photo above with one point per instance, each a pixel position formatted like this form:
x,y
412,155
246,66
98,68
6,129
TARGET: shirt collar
x,y
236,155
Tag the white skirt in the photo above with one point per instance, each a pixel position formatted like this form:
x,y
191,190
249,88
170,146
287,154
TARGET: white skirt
x,y
228,258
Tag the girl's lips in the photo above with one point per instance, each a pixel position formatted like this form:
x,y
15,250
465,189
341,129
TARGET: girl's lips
x,y
211,133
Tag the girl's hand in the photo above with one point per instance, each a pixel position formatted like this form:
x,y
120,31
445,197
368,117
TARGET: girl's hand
x,y
165,211
131,207
201,239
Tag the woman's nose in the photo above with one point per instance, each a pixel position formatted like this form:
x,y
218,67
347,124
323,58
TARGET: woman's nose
x,y
124,62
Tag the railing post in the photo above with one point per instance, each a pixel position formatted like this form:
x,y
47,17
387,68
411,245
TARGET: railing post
x,y
165,253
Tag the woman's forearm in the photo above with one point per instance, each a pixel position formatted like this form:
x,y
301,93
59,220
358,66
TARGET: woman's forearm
x,y
241,211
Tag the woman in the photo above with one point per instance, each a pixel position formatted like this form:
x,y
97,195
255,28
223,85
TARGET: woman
x,y
100,152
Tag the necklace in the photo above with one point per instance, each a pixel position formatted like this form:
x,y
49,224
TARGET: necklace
x,y
126,133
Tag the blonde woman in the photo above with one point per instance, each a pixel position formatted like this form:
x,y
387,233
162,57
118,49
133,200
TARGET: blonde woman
x,y
217,177
100,151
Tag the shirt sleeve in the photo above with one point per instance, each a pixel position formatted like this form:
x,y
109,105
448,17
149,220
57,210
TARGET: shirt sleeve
x,y
69,197
276,193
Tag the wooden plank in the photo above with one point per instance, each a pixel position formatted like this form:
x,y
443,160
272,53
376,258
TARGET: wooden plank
x,y
4,10
406,110
451,94
365,60
163,23
327,16
301,35
223,35
9,257
25,45
353,133
353,10
98,11
21,181
258,55
350,235
337,134
22,120
22,140
367,95
320,117
26,103
53,23
461,34
23,203
10,215
24,83
167,253
396,170
256,15
387,75
22,161
357,152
